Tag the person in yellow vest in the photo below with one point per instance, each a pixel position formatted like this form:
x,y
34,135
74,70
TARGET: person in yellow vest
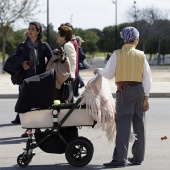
x,y
132,75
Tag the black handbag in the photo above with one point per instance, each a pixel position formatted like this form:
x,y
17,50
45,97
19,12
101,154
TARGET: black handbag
x,y
84,65
67,90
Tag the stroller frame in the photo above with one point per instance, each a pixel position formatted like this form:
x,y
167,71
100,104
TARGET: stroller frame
x,y
78,152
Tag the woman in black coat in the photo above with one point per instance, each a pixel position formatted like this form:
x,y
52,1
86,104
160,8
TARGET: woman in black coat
x,y
35,54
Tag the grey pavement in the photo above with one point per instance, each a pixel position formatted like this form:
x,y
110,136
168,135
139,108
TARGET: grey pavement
x,y
160,75
157,153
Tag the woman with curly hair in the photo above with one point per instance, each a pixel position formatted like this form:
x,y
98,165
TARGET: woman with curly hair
x,y
65,49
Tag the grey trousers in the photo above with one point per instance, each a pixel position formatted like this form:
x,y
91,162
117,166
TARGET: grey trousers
x,y
129,103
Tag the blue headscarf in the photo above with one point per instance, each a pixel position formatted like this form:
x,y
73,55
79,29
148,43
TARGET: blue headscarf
x,y
129,34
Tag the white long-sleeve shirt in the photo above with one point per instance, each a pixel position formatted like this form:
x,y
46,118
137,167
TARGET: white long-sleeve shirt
x,y
71,54
109,72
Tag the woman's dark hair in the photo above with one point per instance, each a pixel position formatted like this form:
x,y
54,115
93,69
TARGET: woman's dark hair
x,y
38,27
65,31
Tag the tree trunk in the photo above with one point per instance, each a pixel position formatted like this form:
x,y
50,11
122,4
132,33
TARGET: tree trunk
x,y
159,52
144,46
4,39
150,57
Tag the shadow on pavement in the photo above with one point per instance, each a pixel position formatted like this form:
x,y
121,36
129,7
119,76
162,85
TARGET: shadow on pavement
x,y
8,124
12,140
61,166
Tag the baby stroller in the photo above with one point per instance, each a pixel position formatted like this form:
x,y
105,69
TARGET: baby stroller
x,y
55,126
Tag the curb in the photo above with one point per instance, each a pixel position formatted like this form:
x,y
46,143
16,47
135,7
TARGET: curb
x,y
151,95
159,95
8,96
154,95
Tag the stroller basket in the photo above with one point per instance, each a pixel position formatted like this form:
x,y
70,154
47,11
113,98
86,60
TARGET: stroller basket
x,y
54,143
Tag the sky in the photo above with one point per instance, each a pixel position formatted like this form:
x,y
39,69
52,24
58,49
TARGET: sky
x,y
91,13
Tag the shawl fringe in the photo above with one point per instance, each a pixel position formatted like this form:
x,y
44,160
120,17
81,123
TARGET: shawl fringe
x,y
100,104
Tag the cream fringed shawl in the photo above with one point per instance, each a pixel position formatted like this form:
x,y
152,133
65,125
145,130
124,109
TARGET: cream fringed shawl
x,y
100,104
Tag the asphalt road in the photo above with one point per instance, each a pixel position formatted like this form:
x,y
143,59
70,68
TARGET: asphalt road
x,y
157,150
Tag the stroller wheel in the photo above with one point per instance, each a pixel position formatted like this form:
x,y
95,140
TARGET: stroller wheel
x,y
79,152
81,137
23,160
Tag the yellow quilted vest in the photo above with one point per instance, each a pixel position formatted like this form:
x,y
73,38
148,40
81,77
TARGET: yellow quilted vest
x,y
129,64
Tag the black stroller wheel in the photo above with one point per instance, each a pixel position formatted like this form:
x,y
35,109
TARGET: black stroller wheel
x,y
79,152
81,137
23,161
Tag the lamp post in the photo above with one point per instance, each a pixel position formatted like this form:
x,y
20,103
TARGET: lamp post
x,y
71,19
115,3
135,15
48,21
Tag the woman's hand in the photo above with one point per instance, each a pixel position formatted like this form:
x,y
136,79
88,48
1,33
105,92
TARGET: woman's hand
x,y
25,65
95,71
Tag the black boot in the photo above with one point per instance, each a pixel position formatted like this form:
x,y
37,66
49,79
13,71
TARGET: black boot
x,y
17,120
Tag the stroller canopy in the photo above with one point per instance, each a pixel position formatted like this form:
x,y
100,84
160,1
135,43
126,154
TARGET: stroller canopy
x,y
36,92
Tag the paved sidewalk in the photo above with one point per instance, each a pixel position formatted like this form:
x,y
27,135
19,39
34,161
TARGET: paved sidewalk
x,y
160,75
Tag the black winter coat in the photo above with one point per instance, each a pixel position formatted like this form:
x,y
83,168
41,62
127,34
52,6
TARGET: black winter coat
x,y
44,51
13,63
